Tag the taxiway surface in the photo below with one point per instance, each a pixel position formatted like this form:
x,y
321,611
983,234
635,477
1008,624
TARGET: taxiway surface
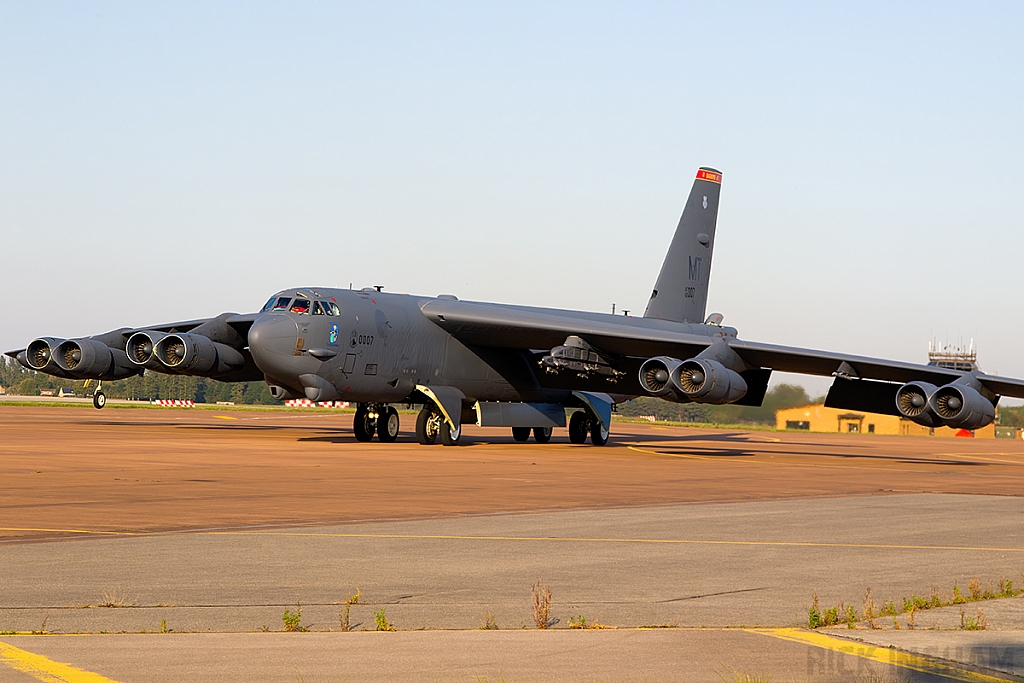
x,y
210,524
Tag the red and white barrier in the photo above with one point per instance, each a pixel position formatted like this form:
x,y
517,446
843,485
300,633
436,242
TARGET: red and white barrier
x,y
306,403
174,404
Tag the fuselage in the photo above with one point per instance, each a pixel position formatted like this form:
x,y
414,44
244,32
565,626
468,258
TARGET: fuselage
x,y
374,346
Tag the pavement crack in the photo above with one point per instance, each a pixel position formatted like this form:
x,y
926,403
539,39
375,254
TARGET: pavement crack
x,y
710,595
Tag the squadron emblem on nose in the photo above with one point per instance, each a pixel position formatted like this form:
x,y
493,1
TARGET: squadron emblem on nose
x,y
332,336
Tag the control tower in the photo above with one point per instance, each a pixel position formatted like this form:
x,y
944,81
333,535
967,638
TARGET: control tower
x,y
953,356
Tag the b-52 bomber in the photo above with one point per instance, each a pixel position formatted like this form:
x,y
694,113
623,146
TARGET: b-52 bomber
x,y
515,366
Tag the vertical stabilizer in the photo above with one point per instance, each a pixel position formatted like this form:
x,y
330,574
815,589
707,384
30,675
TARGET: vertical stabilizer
x,y
681,293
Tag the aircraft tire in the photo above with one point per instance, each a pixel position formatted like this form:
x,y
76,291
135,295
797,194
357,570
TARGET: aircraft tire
x,y
598,434
427,423
579,425
387,425
363,425
521,434
99,399
449,436
542,434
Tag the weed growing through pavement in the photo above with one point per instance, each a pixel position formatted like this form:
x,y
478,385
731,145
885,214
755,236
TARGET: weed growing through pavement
x,y
821,618
870,609
814,612
489,624
580,621
541,605
163,626
975,623
381,618
343,616
293,620
116,597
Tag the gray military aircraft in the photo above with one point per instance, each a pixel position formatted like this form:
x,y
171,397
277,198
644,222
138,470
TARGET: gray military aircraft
x,y
515,366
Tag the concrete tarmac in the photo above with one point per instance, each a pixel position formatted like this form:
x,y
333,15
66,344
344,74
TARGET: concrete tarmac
x,y
210,526
467,657
122,470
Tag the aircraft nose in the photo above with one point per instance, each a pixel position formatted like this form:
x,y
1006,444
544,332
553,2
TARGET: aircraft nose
x,y
272,342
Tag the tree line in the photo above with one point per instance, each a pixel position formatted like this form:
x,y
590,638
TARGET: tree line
x,y
21,381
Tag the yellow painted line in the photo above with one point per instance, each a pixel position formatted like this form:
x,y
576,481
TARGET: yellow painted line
x,y
70,531
883,655
595,539
45,669
690,456
225,417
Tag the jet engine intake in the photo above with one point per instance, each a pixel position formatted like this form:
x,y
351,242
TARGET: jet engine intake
x,y
141,347
962,407
194,354
39,354
703,380
912,403
656,377
92,359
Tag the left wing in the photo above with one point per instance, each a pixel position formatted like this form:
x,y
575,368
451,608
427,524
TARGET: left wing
x,y
619,341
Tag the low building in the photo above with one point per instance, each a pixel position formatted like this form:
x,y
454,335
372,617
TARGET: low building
x,y
818,418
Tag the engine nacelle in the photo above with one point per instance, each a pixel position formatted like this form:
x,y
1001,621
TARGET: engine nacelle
x,y
912,403
962,407
703,380
39,355
141,349
656,377
92,359
194,354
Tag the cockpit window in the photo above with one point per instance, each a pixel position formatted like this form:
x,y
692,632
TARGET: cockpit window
x,y
267,306
301,306
333,307
282,304
318,309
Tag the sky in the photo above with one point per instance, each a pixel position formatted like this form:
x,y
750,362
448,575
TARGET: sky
x,y
167,161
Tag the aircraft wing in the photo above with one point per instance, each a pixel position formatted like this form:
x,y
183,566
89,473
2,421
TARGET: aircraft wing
x,y
490,325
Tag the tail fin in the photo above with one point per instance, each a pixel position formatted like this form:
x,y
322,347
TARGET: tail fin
x,y
681,293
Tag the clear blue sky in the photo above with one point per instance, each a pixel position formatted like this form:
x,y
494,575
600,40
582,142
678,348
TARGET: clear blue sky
x,y
170,161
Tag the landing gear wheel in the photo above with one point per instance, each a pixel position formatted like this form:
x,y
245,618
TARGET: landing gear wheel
x,y
542,434
428,426
99,399
579,425
449,436
387,425
598,433
521,434
363,425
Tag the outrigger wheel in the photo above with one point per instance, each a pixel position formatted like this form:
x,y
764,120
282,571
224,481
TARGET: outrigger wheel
x,y
99,399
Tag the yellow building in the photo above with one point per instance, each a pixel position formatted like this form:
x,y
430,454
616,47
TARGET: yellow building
x,y
818,418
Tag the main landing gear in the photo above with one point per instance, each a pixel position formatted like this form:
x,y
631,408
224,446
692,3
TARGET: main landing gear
x,y
540,434
430,425
373,418
581,423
